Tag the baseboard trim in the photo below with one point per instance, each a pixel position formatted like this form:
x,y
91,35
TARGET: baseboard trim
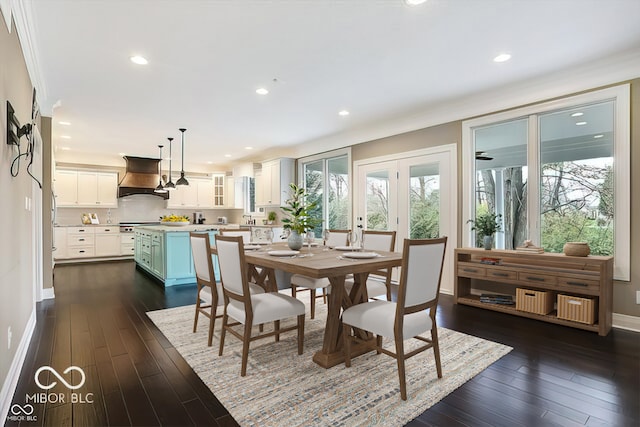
x,y
48,293
10,383
623,321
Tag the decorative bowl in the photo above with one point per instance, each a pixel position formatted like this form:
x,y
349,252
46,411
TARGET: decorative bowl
x,y
576,249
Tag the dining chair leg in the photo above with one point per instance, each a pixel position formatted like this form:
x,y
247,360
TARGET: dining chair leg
x,y
324,295
245,349
401,373
378,344
300,334
276,328
436,349
346,338
293,291
313,303
225,320
212,324
195,321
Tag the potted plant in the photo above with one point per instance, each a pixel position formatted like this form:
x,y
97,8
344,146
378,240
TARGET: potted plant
x,y
271,217
298,219
485,225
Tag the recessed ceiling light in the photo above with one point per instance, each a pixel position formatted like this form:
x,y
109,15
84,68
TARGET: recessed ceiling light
x,y
343,113
578,114
227,155
65,148
65,123
414,2
581,123
121,154
502,57
262,91
140,60
65,137
248,148
598,136
209,162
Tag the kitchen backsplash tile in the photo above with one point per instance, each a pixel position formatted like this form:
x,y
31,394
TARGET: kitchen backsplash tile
x,y
141,208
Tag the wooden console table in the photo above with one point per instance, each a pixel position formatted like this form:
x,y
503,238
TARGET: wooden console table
x,y
587,277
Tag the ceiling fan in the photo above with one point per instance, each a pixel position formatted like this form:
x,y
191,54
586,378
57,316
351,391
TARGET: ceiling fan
x,y
482,155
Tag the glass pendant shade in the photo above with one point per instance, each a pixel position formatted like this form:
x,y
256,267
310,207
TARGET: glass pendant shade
x,y
160,188
170,185
182,180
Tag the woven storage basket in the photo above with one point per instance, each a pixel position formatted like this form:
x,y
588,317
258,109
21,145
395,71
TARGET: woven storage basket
x,y
539,302
577,309
576,249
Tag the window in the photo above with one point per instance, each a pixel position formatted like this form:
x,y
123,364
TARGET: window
x,y
549,170
326,179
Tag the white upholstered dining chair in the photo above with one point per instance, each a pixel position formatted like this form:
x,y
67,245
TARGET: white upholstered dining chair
x,y
414,312
251,309
378,282
336,238
245,233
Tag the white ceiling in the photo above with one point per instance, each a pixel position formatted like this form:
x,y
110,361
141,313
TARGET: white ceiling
x,y
379,59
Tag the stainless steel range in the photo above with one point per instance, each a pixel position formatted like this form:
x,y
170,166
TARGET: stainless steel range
x,y
127,227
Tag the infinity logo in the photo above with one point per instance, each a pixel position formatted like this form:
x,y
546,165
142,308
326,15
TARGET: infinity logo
x,y
25,409
54,372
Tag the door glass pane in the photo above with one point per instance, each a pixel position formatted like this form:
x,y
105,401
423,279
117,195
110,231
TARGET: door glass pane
x,y
338,197
314,184
576,188
377,200
501,179
424,201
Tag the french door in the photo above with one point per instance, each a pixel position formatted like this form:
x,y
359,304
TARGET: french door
x,y
414,194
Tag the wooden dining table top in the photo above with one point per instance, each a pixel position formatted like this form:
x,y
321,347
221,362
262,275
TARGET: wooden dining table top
x,y
320,263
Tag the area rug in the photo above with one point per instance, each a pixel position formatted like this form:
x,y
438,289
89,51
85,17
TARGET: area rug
x,y
284,389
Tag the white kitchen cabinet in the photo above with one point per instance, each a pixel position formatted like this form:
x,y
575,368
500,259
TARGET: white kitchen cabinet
x,y
66,187
230,192
197,195
75,188
272,183
157,253
60,242
107,241
219,190
127,244
80,242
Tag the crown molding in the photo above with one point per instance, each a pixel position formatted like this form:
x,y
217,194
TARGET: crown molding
x,y
23,18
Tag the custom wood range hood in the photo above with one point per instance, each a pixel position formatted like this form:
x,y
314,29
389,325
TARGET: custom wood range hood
x,y
140,177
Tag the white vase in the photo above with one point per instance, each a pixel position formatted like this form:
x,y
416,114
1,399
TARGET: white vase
x,y
294,241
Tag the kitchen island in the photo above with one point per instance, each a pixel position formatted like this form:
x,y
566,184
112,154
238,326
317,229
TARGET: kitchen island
x,y
165,252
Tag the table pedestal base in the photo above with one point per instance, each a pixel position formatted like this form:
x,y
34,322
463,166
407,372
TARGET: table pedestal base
x,y
328,360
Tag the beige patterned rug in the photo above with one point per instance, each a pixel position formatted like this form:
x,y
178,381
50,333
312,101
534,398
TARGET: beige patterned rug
x,y
284,389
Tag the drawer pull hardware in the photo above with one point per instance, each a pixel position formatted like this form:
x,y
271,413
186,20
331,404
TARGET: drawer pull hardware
x,y
81,252
529,294
574,302
81,240
537,279
470,270
577,284
500,274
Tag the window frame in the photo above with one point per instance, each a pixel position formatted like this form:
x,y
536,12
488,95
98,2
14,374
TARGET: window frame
x,y
621,96
325,157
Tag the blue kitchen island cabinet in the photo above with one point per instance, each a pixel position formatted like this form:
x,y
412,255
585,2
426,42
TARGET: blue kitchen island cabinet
x,y
165,252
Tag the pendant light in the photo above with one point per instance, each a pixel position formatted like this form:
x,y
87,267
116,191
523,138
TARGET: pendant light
x,y
182,180
160,188
170,185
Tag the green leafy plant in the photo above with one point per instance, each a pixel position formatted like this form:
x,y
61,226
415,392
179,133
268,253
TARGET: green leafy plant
x,y
271,216
298,211
486,224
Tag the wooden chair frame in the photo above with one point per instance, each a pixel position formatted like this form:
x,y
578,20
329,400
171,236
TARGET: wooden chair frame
x,y
401,311
386,273
246,337
208,310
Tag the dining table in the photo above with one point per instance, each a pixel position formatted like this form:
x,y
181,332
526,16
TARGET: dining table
x,y
336,265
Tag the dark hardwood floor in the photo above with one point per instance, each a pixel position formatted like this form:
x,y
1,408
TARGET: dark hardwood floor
x,y
555,376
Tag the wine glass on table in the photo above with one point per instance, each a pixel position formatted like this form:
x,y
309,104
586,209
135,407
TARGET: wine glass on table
x,y
352,239
310,237
325,239
268,234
